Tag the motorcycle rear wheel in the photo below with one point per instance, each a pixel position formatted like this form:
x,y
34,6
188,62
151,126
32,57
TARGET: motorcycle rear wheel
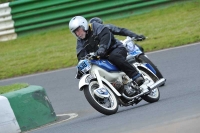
x,y
107,106
143,59
154,95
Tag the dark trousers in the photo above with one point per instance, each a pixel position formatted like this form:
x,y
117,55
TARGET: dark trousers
x,y
118,58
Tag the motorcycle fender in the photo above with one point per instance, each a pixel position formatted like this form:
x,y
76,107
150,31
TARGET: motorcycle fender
x,y
143,66
83,82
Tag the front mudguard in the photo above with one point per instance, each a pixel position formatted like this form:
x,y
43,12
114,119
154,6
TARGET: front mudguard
x,y
85,80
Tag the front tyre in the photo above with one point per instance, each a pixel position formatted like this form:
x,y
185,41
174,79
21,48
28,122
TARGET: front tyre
x,y
107,106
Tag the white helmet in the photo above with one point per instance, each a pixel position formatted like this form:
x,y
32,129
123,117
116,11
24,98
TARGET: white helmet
x,y
76,22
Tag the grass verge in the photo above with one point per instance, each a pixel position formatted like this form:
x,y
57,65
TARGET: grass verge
x,y
4,1
13,87
174,26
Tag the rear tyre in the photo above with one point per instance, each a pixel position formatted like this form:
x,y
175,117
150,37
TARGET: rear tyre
x,y
154,95
143,59
107,106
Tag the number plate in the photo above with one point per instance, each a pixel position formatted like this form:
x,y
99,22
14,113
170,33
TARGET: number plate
x,y
84,66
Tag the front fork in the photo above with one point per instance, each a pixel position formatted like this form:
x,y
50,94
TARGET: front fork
x,y
85,80
96,72
101,80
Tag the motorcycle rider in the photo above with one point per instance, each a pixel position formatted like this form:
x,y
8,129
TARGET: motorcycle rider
x,y
124,32
98,38
119,31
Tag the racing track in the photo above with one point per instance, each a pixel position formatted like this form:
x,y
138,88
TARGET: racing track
x,y
178,109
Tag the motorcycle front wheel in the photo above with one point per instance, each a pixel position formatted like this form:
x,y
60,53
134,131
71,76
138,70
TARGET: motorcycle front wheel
x,y
107,106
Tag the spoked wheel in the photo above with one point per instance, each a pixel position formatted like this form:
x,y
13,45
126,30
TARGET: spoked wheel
x,y
107,106
144,59
154,95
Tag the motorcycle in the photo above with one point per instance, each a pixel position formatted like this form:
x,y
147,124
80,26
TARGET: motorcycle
x,y
140,56
100,73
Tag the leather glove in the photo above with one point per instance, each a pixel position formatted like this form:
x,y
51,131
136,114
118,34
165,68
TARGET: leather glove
x,y
140,37
101,52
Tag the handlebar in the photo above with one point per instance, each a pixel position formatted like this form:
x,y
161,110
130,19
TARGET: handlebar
x,y
91,56
133,38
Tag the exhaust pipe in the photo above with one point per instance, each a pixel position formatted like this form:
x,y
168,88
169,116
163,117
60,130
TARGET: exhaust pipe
x,y
151,87
157,83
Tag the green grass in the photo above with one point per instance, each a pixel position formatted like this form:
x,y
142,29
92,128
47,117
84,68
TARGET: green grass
x,y
50,50
13,87
4,1
174,26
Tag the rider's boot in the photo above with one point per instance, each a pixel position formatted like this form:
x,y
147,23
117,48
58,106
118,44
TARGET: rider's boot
x,y
138,79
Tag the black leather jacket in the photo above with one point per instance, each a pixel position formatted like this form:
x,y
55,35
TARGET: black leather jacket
x,y
98,36
120,31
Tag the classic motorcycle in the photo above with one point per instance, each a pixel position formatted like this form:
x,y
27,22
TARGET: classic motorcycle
x,y
140,56
100,73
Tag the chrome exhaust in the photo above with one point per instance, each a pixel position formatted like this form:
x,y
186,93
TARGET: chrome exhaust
x,y
151,87
157,83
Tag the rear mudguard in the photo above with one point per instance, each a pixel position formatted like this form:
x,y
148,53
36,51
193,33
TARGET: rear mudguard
x,y
85,80
147,69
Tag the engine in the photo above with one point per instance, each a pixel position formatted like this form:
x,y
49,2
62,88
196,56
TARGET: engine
x,y
118,85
